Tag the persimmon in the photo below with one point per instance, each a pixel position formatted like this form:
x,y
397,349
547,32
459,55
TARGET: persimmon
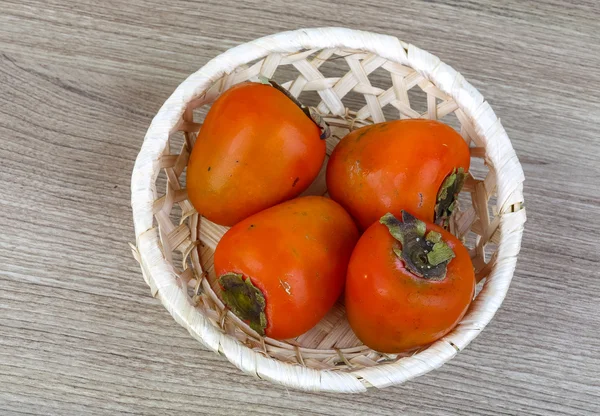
x,y
281,270
414,165
408,284
256,148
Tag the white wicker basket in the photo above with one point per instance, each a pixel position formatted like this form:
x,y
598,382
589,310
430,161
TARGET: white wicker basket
x,y
174,246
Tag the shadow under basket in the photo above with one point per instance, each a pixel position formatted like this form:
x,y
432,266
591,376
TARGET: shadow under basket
x,y
353,78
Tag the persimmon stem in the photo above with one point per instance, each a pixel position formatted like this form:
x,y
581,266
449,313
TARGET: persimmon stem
x,y
424,255
310,112
245,300
447,194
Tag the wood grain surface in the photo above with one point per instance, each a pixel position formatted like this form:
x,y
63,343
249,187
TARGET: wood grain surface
x,y
79,84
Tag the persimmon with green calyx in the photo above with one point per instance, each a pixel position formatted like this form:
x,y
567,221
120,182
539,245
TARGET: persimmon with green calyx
x,y
414,165
409,283
282,270
256,148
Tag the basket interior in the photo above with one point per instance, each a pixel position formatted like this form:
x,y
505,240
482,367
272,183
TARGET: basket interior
x,y
351,89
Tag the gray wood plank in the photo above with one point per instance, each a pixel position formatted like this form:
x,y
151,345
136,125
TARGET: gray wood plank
x,y
79,84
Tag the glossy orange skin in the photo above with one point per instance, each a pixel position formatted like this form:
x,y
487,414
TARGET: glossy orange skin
x,y
393,166
390,309
255,149
296,253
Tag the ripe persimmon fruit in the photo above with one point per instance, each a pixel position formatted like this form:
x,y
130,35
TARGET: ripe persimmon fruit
x,y
414,165
256,148
281,270
408,284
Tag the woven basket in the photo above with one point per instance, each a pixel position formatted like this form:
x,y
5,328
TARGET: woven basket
x,y
174,245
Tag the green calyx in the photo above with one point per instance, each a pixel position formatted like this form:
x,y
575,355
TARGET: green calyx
x,y
310,112
446,198
245,300
424,255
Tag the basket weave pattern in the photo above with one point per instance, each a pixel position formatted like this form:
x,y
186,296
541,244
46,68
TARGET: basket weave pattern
x,y
175,245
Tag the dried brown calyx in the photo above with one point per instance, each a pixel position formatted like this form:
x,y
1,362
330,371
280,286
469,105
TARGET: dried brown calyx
x,y
425,255
245,300
446,197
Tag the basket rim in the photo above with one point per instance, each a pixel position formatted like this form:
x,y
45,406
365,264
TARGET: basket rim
x,y
160,275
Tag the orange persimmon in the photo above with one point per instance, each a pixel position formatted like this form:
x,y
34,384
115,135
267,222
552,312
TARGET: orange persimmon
x,y
281,270
256,148
408,284
414,165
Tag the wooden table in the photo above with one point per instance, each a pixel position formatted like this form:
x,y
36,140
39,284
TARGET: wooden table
x,y
80,82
